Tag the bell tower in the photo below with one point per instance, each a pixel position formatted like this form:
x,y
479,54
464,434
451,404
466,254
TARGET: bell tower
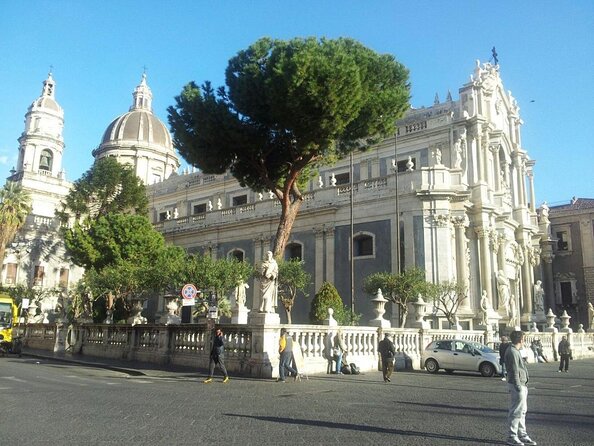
x,y
41,145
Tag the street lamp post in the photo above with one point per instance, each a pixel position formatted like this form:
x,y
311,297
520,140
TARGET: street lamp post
x,y
352,241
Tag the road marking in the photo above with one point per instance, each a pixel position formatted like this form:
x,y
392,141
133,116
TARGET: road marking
x,y
14,378
577,385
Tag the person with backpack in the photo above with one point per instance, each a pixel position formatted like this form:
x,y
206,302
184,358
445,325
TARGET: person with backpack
x,y
217,353
338,351
502,349
285,349
387,352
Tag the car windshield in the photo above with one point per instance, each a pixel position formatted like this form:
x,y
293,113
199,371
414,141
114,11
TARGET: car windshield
x,y
5,314
482,348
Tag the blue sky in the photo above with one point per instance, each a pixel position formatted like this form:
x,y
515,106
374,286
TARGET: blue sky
x,y
98,50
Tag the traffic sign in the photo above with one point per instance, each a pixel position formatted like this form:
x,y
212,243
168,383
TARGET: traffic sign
x,y
189,291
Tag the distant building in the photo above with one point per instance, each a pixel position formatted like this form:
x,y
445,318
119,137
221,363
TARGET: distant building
x,y
572,273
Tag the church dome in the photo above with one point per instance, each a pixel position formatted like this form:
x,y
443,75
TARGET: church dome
x,y
140,139
139,124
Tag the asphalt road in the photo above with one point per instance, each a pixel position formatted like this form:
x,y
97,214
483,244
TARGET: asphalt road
x,y
47,402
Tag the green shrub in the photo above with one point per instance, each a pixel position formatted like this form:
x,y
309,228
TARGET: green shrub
x,y
328,297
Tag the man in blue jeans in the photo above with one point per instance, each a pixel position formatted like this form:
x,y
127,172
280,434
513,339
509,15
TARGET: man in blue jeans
x,y
517,380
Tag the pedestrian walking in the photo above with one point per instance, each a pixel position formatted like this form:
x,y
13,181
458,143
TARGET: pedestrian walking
x,y
502,349
517,380
564,350
285,349
217,355
387,351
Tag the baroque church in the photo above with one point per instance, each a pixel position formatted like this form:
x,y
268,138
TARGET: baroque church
x,y
451,192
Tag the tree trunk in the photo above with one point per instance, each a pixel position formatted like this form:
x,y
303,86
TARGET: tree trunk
x,y
285,225
288,311
403,314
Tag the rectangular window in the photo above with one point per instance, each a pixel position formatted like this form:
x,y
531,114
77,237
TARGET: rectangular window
x,y
566,293
402,165
64,273
162,216
239,200
562,241
343,178
199,208
11,272
38,275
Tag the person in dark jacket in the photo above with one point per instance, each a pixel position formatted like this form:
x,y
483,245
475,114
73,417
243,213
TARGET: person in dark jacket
x,y
517,380
564,350
387,351
217,354
502,349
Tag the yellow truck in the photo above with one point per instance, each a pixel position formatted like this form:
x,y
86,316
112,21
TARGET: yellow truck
x,y
9,343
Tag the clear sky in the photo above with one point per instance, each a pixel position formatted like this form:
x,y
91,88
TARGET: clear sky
x,y
98,51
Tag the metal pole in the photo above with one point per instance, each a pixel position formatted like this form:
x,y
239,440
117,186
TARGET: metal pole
x,y
352,243
397,204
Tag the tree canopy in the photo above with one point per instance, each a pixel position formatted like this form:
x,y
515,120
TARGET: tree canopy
x,y
107,187
15,205
289,107
399,288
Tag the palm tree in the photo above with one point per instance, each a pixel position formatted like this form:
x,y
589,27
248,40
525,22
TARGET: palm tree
x,y
15,205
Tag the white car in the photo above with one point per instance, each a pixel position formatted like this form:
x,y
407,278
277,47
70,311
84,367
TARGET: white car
x,y
458,354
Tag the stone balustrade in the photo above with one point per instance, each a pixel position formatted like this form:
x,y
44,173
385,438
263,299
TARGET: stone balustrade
x,y
245,344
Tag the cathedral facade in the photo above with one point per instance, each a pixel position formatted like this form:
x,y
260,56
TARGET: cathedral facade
x,y
451,192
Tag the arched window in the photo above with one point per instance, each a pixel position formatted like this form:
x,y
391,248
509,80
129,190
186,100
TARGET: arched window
x,y
294,250
363,245
46,160
236,254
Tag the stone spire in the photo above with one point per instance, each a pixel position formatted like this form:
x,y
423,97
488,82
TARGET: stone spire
x,y
143,96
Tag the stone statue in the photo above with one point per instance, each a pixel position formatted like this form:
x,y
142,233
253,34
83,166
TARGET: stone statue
x,y
514,320
437,155
538,296
485,308
239,293
591,315
458,151
268,284
544,211
503,291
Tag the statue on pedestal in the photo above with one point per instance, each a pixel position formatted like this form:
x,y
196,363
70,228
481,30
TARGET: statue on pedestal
x,y
538,296
269,284
503,292
485,309
591,315
239,294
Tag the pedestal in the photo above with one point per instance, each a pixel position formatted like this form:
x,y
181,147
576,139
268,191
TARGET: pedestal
x,y
239,315
265,336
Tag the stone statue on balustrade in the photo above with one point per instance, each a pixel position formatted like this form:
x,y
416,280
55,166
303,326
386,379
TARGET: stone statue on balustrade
x,y
538,297
269,284
503,292
590,316
239,312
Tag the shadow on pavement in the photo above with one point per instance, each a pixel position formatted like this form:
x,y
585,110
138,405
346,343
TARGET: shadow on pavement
x,y
363,428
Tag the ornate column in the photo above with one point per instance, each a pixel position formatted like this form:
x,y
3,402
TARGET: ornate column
x,y
319,255
460,224
547,264
532,195
495,150
485,262
329,253
527,284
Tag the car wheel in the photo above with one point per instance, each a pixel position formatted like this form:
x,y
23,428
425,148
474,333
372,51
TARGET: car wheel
x,y
449,371
431,366
487,369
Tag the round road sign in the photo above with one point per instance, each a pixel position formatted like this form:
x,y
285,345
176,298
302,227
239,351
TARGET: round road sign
x,y
189,291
